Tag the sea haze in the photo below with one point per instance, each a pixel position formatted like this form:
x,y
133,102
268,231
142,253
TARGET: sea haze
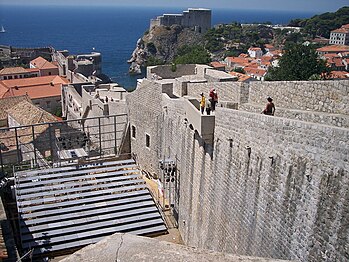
x,y
113,31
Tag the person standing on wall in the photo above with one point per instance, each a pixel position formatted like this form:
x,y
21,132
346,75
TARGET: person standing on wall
x,y
208,107
213,99
202,103
269,108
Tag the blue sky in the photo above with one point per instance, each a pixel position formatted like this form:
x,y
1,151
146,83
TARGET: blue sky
x,y
287,5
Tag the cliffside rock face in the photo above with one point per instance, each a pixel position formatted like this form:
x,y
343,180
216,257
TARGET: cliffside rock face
x,y
161,44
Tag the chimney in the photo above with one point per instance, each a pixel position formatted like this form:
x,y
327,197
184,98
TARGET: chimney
x,y
51,83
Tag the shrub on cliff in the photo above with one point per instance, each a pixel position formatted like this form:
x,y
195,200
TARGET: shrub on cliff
x,y
192,55
299,62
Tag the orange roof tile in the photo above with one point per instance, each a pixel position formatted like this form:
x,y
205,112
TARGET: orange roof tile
x,y
244,55
42,63
13,70
255,71
255,49
238,60
339,74
241,77
269,46
35,87
346,26
341,30
217,64
333,48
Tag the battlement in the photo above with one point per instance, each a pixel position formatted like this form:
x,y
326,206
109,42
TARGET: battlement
x,y
197,18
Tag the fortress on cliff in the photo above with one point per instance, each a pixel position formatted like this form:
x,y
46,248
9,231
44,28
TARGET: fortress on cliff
x,y
197,18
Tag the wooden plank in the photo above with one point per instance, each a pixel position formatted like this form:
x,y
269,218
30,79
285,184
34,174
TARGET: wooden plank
x,y
83,188
138,207
92,233
67,184
79,204
64,222
73,167
44,201
85,224
24,180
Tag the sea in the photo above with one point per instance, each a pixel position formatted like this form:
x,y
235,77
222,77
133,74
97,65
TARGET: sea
x,y
113,31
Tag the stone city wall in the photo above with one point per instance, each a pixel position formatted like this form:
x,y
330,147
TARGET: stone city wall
x,y
167,71
282,195
320,96
270,186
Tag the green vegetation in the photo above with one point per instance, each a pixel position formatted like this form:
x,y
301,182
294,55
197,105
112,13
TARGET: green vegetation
x,y
237,39
321,25
58,111
152,61
299,62
192,55
239,70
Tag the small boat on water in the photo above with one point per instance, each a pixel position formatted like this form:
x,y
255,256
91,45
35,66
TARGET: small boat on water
x,y
2,29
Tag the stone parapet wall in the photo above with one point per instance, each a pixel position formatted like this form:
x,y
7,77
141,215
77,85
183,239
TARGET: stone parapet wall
x,y
319,96
302,115
169,71
227,91
270,189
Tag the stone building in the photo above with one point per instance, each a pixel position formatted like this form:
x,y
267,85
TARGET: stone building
x,y
248,183
197,18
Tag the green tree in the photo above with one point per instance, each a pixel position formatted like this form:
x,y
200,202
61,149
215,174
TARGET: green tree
x,y
192,55
299,62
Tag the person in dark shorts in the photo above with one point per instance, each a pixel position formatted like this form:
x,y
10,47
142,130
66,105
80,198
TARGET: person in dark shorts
x,y
269,108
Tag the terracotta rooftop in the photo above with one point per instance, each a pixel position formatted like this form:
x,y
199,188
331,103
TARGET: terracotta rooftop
x,y
35,87
13,70
346,26
217,64
339,75
255,49
341,30
238,60
255,71
42,63
7,103
334,48
241,77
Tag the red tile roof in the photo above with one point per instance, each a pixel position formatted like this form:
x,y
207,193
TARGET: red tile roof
x,y
238,60
339,75
42,63
255,71
255,49
241,77
341,30
217,64
35,87
346,26
334,48
13,70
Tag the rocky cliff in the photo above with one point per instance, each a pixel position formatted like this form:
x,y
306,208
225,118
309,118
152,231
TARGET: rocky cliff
x,y
160,45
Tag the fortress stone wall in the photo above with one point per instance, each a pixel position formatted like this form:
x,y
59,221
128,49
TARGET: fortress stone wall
x,y
268,186
197,18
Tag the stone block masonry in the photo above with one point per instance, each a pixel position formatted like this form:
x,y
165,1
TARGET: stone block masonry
x,y
270,186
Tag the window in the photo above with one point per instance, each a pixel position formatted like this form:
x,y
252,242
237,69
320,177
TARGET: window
x,y
147,140
133,132
48,103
